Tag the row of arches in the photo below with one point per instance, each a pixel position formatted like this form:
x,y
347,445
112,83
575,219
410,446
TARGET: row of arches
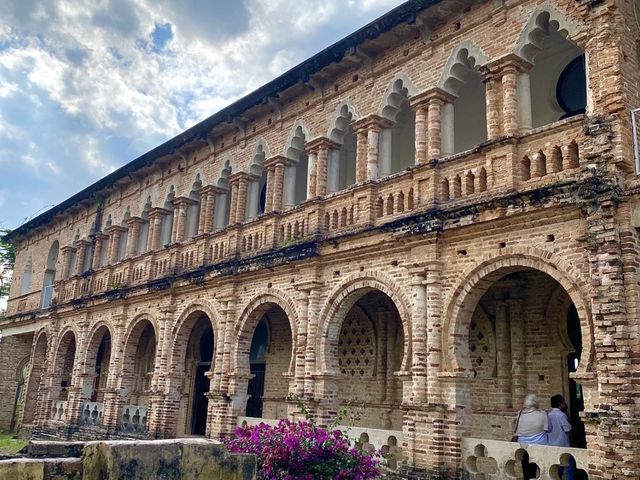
x,y
514,321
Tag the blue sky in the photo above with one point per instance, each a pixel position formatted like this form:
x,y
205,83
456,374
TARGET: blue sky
x,y
86,86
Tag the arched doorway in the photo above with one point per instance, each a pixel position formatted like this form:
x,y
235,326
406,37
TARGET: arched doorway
x,y
196,341
366,347
523,337
137,375
62,376
265,359
35,378
96,369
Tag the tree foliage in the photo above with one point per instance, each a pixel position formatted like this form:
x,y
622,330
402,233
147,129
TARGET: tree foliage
x,y
7,261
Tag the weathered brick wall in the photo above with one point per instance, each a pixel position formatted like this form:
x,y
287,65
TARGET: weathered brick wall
x,y
15,351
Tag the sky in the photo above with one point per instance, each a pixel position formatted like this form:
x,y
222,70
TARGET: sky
x,y
88,85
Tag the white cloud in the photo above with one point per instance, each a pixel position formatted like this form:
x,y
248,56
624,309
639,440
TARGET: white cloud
x,y
83,89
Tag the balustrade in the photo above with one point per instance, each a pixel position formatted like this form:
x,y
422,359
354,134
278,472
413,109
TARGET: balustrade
x,y
496,459
539,157
59,411
134,418
91,413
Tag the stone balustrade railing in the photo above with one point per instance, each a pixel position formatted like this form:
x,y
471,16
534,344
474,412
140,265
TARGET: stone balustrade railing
x,y
59,410
495,459
134,418
91,413
542,156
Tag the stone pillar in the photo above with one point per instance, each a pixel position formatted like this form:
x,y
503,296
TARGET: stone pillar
x,y
81,251
505,115
276,165
421,109
503,354
207,208
182,205
313,308
115,232
101,244
233,187
239,196
67,256
436,99
361,153
312,173
419,338
433,294
112,400
493,102
518,352
174,224
156,216
268,207
318,148
370,126
300,346
134,234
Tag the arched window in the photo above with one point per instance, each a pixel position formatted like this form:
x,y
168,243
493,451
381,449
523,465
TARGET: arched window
x,y
397,143
557,81
223,199
296,176
256,190
342,161
464,121
50,274
25,286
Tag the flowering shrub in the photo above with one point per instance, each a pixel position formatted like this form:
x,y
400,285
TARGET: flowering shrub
x,y
300,450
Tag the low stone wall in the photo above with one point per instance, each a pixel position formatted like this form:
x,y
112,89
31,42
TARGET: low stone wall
x,y
177,459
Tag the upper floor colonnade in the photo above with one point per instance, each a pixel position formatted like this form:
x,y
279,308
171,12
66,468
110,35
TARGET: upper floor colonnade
x,y
475,100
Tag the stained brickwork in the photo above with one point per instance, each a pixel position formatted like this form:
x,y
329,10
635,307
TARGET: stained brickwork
x,y
434,293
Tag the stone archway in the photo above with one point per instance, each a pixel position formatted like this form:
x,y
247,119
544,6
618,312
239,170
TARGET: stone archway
x,y
264,358
62,371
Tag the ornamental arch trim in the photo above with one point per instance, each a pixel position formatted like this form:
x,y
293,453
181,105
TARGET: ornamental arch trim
x,y
472,284
177,350
251,313
343,297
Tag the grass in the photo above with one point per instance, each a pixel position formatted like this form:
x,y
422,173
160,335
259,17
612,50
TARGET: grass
x,y
10,445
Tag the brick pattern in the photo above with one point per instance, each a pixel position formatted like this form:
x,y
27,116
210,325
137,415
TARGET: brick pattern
x,y
458,272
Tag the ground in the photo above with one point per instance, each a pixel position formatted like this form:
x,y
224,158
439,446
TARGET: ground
x,y
9,444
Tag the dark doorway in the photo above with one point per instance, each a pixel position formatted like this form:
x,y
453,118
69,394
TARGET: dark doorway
x,y
256,390
576,400
201,383
258,367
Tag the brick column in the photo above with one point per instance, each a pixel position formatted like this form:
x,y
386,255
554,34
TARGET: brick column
x,y
421,108
319,148
67,255
156,216
419,337
182,205
239,182
115,232
435,98
207,208
312,172
361,152
518,353
275,192
112,400
81,251
503,116
503,354
101,243
134,234
371,125
433,293
313,310
268,204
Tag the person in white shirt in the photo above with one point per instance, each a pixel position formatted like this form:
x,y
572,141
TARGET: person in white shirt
x,y
560,434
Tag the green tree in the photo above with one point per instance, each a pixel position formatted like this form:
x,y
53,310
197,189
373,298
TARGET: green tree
x,y
7,261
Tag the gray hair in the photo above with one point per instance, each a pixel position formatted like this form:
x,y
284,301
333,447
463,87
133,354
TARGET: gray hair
x,y
531,401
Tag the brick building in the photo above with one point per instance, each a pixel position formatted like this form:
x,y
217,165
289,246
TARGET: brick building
x,y
430,219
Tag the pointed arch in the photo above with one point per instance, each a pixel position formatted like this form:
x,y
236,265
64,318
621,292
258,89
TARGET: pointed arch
x,y
345,114
341,170
222,207
400,89
296,175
